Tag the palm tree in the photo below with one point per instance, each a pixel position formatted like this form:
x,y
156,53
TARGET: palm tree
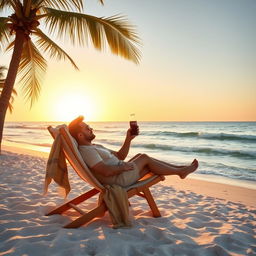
x,y
21,33
10,107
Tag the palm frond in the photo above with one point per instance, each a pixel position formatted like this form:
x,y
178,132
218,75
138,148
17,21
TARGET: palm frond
x,y
37,4
6,3
10,107
49,46
2,69
10,46
67,24
121,36
68,5
5,36
32,68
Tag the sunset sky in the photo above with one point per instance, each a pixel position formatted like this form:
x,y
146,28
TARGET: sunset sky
x,y
198,64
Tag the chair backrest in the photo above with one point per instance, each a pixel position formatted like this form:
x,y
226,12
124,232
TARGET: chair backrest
x,y
72,154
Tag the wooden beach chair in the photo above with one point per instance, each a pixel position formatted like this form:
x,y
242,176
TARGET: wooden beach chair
x,y
72,154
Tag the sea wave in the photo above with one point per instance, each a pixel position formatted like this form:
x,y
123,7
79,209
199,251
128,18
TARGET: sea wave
x,y
202,150
26,127
44,127
227,170
161,147
208,136
103,131
48,145
238,175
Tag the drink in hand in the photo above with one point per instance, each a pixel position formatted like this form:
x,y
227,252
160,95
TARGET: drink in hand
x,y
133,125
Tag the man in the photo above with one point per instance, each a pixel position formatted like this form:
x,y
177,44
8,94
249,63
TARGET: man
x,y
109,166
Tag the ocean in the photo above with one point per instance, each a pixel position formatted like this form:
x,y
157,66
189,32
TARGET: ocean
x,y
226,151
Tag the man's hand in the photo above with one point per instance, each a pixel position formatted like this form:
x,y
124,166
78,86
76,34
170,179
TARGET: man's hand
x,y
129,136
124,150
128,166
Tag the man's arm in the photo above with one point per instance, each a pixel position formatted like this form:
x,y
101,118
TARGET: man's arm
x,y
111,170
124,150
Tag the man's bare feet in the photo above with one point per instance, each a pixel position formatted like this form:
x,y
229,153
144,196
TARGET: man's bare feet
x,y
189,169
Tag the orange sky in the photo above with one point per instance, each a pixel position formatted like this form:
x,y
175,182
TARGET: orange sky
x,y
198,63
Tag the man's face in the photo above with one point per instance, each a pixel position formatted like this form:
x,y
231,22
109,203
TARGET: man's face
x,y
87,132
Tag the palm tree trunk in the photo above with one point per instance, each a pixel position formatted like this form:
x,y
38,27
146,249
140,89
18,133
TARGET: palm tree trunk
x,y
10,79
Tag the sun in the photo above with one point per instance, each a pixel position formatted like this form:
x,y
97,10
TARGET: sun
x,y
70,106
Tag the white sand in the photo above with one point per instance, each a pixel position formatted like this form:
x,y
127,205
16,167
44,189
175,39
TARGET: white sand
x,y
197,218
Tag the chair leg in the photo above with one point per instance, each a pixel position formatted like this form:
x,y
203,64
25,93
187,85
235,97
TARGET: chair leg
x,y
96,212
75,201
151,203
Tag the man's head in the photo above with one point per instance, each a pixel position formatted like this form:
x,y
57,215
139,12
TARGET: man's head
x,y
81,131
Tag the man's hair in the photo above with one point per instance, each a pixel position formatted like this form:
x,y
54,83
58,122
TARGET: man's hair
x,y
74,127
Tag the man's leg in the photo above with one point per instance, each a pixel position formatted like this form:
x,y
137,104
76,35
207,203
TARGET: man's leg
x,y
171,165
162,168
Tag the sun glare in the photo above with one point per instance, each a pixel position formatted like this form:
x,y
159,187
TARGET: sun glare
x,y
71,106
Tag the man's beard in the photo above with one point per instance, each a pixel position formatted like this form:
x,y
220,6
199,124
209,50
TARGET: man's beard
x,y
92,137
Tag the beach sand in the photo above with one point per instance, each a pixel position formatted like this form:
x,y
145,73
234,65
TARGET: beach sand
x,y
198,217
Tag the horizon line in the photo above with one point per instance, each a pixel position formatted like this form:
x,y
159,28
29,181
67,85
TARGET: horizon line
x,y
174,121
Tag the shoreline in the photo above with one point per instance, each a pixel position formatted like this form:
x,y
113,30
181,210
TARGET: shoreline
x,y
23,150
199,184
229,193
